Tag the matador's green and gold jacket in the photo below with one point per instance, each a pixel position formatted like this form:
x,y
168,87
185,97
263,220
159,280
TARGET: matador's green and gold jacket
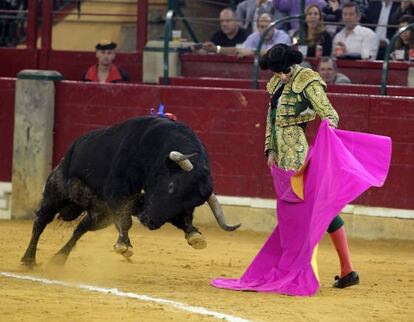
x,y
302,98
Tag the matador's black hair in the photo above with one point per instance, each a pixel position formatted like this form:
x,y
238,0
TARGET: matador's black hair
x,y
279,58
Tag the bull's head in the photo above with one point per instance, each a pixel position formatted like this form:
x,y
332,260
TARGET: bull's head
x,y
185,164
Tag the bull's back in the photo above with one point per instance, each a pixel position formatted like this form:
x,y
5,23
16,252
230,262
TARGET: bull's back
x,y
103,156
91,156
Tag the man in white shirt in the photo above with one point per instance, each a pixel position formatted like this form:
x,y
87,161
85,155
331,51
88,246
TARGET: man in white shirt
x,y
354,40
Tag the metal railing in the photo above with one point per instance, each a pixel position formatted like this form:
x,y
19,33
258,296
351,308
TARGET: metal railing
x,y
260,44
14,20
168,27
167,34
175,7
390,47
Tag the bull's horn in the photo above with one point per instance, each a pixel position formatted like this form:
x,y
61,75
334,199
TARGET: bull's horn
x,y
218,213
182,160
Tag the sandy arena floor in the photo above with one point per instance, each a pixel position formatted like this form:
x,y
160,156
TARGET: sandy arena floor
x,y
164,266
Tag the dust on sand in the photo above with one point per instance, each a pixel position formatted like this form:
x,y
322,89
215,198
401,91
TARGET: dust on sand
x,y
164,266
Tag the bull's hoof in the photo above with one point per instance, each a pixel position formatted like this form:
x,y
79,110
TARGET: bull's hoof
x,y
196,240
123,249
28,263
58,259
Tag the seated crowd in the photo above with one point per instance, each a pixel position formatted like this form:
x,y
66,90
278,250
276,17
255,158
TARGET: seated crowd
x,y
12,29
13,18
332,28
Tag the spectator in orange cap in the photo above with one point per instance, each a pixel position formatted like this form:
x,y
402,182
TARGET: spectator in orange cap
x,y
105,71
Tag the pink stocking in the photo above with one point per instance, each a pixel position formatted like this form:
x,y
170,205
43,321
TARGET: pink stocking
x,y
338,238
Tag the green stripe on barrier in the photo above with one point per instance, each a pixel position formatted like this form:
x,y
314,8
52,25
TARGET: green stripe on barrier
x,y
40,75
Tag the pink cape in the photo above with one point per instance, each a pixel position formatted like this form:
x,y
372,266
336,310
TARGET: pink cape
x,y
340,166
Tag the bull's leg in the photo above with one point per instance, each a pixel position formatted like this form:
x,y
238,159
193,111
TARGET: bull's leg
x,y
92,221
123,245
44,216
185,222
70,212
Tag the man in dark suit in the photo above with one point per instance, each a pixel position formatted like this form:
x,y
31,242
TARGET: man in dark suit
x,y
379,13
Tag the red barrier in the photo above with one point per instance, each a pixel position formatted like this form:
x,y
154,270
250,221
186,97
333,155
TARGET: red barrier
x,y
359,71
7,89
371,89
213,82
193,65
17,60
71,64
231,124
247,83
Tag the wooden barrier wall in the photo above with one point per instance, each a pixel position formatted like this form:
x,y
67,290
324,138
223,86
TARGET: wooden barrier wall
x,y
231,124
247,83
7,89
71,64
359,71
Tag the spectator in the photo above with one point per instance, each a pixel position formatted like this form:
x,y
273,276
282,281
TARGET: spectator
x,y
229,35
332,13
273,37
406,8
363,8
248,47
249,11
315,33
379,13
406,40
292,8
105,71
354,41
12,24
329,72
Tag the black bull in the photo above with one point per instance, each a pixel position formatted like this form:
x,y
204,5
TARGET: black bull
x,y
149,167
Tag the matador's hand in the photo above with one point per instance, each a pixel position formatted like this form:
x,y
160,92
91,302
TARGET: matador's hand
x,y
271,158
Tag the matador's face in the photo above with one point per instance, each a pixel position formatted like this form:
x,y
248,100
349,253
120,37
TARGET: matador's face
x,y
285,76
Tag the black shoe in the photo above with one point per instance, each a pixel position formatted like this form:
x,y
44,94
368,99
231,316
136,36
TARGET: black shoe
x,y
348,280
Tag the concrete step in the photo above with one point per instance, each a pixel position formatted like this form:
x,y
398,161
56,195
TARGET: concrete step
x,y
5,200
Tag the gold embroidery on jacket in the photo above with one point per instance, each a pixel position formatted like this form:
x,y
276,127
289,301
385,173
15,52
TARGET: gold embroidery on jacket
x,y
302,98
320,103
293,147
272,84
303,78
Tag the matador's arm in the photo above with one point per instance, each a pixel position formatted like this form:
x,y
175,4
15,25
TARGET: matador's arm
x,y
316,95
270,139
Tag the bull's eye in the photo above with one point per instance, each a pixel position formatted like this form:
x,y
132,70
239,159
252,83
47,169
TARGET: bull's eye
x,y
171,187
